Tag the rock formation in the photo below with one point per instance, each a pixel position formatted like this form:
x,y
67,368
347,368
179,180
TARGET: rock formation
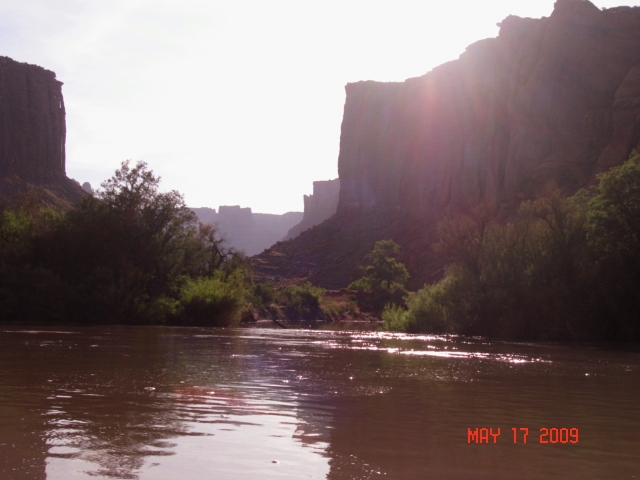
x,y
33,133
248,231
319,206
546,105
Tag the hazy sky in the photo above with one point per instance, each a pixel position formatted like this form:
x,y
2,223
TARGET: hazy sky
x,y
232,102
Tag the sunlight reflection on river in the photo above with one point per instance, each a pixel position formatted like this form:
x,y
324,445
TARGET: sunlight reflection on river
x,y
166,403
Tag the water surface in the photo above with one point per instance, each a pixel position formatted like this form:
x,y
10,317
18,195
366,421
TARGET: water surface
x,y
167,403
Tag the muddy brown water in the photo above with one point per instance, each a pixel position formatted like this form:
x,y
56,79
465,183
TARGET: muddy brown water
x,y
181,403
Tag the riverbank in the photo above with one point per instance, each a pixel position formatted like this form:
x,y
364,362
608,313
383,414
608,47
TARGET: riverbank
x,y
340,325
329,306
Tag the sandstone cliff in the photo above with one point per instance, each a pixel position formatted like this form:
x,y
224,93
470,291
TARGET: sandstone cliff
x,y
32,134
547,104
318,207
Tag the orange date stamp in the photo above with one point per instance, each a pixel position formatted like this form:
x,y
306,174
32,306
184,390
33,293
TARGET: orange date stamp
x,y
520,435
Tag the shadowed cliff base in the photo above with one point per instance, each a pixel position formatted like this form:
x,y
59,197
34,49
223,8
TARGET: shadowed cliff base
x,y
545,106
61,194
331,254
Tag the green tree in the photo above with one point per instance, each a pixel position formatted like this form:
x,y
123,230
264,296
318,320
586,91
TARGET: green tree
x,y
614,212
125,248
383,271
439,308
22,223
527,278
129,250
301,302
613,233
129,254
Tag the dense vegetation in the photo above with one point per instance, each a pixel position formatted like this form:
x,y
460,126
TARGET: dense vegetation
x,y
133,254
384,278
564,268
291,302
128,254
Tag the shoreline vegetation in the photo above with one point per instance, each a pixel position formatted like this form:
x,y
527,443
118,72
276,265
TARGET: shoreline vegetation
x,y
130,254
561,269
565,268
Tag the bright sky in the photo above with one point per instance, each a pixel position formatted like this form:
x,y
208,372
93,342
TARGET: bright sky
x,y
232,102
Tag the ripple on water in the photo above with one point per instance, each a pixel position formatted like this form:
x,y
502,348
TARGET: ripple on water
x,y
199,403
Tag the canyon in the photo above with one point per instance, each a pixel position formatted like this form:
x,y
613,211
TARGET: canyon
x,y
252,232
546,105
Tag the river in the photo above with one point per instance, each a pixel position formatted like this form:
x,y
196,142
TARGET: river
x,y
188,403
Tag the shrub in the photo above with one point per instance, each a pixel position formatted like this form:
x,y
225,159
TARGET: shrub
x,y
395,318
211,301
383,271
264,294
438,308
613,233
301,302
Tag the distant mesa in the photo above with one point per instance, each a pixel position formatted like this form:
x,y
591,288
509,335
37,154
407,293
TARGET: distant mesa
x,y
33,135
546,105
248,231
255,232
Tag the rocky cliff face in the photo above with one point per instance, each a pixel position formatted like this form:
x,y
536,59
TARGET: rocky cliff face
x,y
32,122
248,231
32,133
318,207
547,104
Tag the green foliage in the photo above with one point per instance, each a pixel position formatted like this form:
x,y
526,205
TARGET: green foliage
x,y
213,301
523,279
298,302
439,308
331,309
383,271
613,233
131,254
563,268
128,246
264,294
614,212
395,318
15,232
383,280
301,302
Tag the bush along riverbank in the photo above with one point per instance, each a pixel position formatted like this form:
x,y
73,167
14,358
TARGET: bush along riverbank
x,y
296,303
131,254
562,269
